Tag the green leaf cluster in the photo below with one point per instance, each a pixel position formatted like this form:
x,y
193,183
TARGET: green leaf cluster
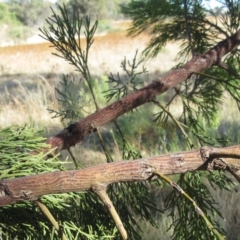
x,y
196,28
186,221
19,155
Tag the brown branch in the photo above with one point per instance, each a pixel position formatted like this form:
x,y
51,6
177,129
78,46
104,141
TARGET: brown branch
x,y
32,187
101,191
76,132
97,178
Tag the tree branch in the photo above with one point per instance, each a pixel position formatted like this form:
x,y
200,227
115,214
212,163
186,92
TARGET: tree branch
x,y
32,187
101,191
77,131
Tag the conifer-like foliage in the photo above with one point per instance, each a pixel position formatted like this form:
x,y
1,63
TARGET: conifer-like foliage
x,y
83,215
197,28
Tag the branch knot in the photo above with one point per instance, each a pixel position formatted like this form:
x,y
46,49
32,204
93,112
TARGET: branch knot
x,y
205,153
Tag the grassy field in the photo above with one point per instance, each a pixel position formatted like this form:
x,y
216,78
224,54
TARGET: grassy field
x,y
30,73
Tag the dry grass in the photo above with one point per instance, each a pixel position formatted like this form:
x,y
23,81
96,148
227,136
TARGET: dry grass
x,y
106,55
22,105
39,68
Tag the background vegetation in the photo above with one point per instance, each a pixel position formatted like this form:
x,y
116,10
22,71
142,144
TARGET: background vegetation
x,y
20,19
28,81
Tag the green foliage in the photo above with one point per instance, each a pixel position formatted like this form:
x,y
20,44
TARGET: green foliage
x,y
10,23
197,29
105,25
18,33
83,215
30,13
19,147
172,21
6,16
95,9
15,145
71,98
82,9
185,219
18,16
64,33
66,40
120,87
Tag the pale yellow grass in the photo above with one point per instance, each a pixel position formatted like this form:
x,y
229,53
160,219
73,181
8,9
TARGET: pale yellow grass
x,y
24,106
106,55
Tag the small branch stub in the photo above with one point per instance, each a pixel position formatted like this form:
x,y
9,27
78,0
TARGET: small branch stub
x,y
148,172
5,195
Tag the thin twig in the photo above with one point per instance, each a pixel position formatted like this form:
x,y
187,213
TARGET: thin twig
x,y
176,122
51,218
106,152
197,209
101,192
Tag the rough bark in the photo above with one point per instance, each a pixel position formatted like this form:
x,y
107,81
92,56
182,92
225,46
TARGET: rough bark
x,y
32,187
76,132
